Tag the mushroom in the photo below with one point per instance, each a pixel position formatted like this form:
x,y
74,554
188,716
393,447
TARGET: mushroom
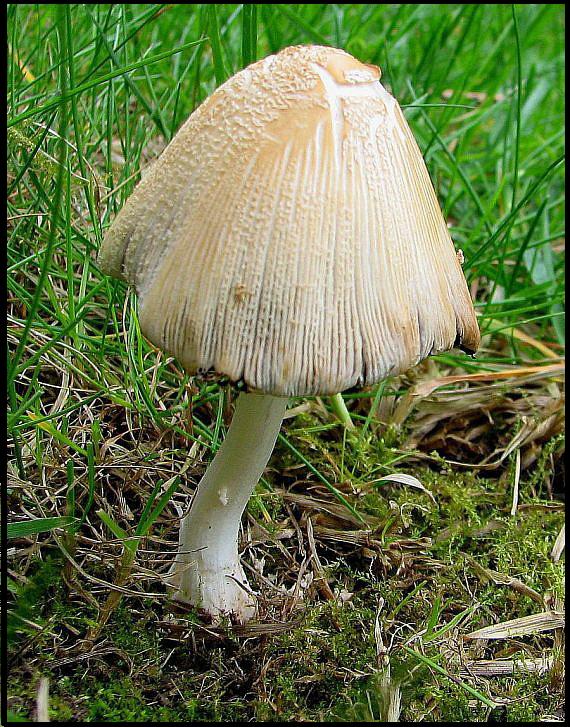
x,y
288,238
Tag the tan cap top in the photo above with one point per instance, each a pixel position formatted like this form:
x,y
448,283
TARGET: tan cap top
x,y
289,236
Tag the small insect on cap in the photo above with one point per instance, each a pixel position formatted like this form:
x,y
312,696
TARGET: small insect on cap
x,y
289,235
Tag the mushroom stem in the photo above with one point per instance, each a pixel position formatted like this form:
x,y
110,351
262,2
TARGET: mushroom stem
x,y
207,572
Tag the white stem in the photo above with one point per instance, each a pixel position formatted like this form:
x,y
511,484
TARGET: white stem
x,y
207,572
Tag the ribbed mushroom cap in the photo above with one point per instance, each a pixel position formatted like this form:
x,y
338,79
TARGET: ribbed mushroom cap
x,y
289,235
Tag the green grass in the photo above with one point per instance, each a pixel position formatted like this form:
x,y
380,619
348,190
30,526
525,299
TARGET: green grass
x,y
96,416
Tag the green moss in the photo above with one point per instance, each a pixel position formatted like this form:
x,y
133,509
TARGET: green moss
x,y
123,701
44,577
326,667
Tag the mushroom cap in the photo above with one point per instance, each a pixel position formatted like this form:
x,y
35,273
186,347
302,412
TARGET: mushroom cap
x,y
289,236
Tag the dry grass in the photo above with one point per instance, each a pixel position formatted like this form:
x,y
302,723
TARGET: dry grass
x,y
302,547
